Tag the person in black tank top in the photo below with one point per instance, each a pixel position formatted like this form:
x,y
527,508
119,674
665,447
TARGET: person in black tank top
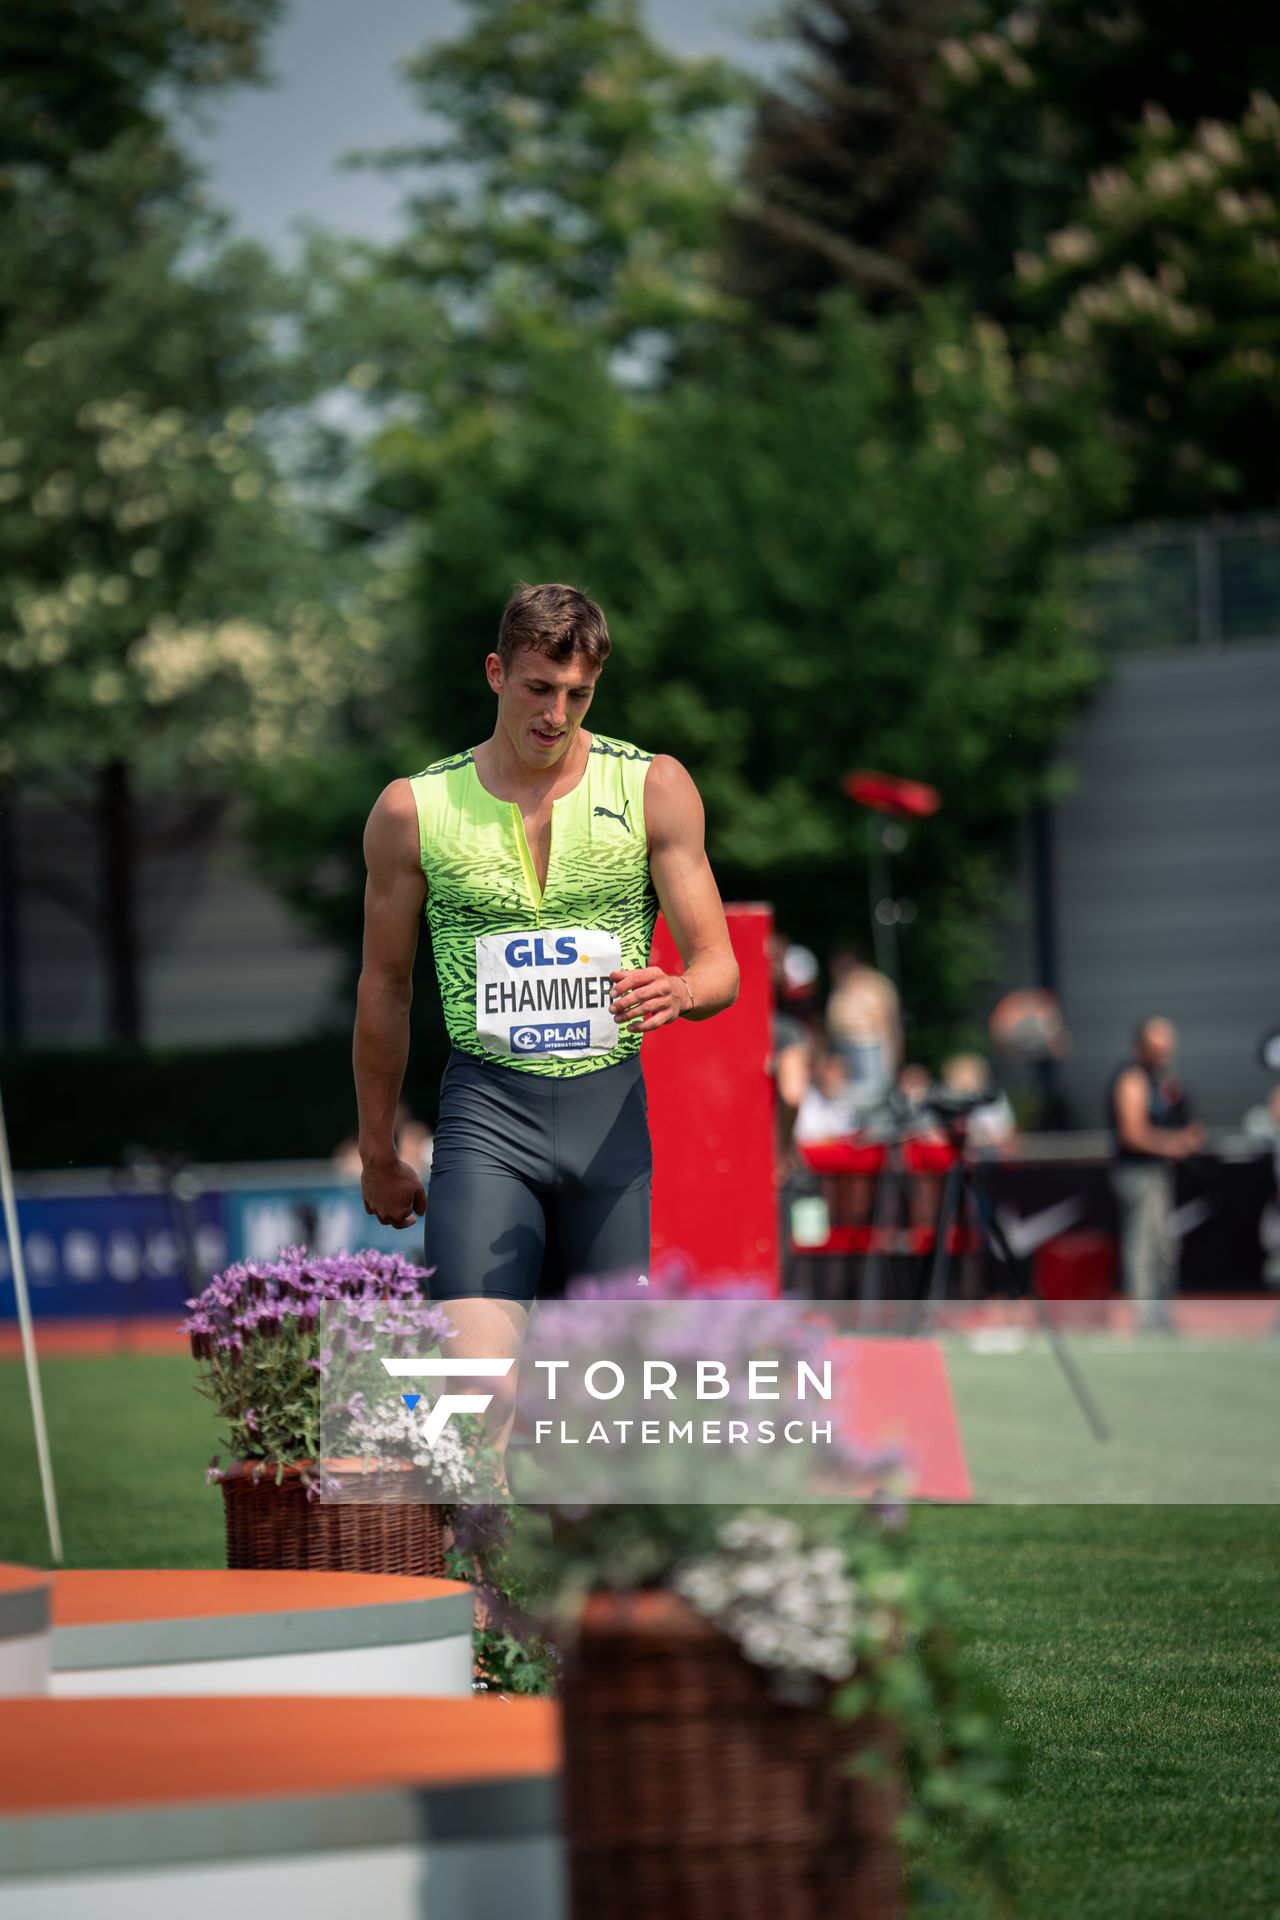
x,y
1151,1131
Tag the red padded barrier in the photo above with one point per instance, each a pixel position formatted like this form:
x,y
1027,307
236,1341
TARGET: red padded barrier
x,y
1077,1266
710,1095
896,1392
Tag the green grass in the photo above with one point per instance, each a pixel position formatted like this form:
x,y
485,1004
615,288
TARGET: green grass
x,y
1138,1653
1188,1420
1137,1648
130,1440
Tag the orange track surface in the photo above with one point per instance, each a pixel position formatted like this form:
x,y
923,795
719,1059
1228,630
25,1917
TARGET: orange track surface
x,y
60,1756
76,1339
21,1579
104,1597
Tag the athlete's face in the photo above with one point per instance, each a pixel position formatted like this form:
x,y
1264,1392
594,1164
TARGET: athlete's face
x,y
542,702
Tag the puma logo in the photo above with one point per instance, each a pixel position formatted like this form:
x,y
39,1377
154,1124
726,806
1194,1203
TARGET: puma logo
x,y
621,818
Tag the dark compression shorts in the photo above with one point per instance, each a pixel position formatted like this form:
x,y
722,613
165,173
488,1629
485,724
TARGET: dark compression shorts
x,y
536,1181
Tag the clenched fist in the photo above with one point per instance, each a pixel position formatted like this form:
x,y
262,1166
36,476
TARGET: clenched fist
x,y
392,1192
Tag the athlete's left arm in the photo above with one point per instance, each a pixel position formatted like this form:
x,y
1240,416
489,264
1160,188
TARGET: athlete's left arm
x,y
646,997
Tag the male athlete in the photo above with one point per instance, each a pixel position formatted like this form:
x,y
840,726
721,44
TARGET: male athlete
x,y
542,856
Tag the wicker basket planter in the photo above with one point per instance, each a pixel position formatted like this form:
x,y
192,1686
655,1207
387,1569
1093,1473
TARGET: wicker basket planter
x,y
369,1527
692,1792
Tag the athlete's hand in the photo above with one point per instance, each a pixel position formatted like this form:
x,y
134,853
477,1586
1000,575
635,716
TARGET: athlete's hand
x,y
646,997
392,1192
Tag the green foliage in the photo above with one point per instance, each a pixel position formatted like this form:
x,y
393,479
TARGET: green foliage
x,y
77,77
576,182
559,249
912,143
910,1662
839,182
160,600
1119,156
1164,292
1045,94
814,552
85,1107
167,613
819,555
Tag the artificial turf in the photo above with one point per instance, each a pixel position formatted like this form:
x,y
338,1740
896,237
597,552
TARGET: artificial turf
x,y
1136,1648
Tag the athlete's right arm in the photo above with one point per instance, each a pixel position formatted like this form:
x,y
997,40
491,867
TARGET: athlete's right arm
x,y
394,892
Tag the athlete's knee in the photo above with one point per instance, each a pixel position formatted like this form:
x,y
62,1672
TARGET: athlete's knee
x,y
490,1330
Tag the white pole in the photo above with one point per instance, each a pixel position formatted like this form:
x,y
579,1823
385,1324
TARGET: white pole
x,y
29,1344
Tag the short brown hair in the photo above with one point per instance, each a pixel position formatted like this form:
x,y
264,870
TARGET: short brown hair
x,y
553,619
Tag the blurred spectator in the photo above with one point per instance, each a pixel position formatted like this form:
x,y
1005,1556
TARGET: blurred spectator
x,y
914,1083
1028,1026
413,1140
798,986
346,1158
1151,1130
789,1063
1263,1123
864,1024
827,1110
991,1124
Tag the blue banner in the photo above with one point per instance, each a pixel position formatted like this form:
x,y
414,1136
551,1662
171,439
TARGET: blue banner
x,y
106,1255
327,1219
103,1255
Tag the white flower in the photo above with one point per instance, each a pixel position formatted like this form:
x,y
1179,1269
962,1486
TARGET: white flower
x,y
789,1607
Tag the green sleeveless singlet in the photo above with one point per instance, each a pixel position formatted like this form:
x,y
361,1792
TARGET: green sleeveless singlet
x,y
524,972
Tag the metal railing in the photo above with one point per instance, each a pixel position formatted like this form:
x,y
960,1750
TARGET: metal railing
x,y
1169,586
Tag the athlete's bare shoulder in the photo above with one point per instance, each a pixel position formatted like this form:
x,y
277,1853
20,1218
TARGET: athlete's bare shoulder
x,y
672,803
391,831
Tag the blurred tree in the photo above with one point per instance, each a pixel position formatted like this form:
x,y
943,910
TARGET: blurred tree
x,y
557,255
1046,93
840,178
162,613
920,142
1164,291
808,564
578,184
815,550
80,73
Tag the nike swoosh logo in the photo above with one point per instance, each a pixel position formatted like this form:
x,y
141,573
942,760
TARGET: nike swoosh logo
x,y
1026,1236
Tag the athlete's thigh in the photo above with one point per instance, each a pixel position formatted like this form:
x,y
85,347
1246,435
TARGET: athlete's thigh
x,y
602,1232
600,1224
484,1235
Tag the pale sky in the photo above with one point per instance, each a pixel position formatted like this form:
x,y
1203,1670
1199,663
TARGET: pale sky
x,y
273,153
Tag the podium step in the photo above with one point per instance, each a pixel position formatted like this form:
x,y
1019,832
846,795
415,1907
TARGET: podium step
x,y
205,1631
133,1809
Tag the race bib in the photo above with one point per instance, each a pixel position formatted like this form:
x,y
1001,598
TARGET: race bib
x,y
547,992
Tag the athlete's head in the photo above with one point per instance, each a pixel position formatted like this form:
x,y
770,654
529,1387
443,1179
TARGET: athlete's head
x,y
552,643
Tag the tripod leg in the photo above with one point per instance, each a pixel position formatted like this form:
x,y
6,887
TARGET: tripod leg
x,y
888,1202
1025,1280
948,1214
